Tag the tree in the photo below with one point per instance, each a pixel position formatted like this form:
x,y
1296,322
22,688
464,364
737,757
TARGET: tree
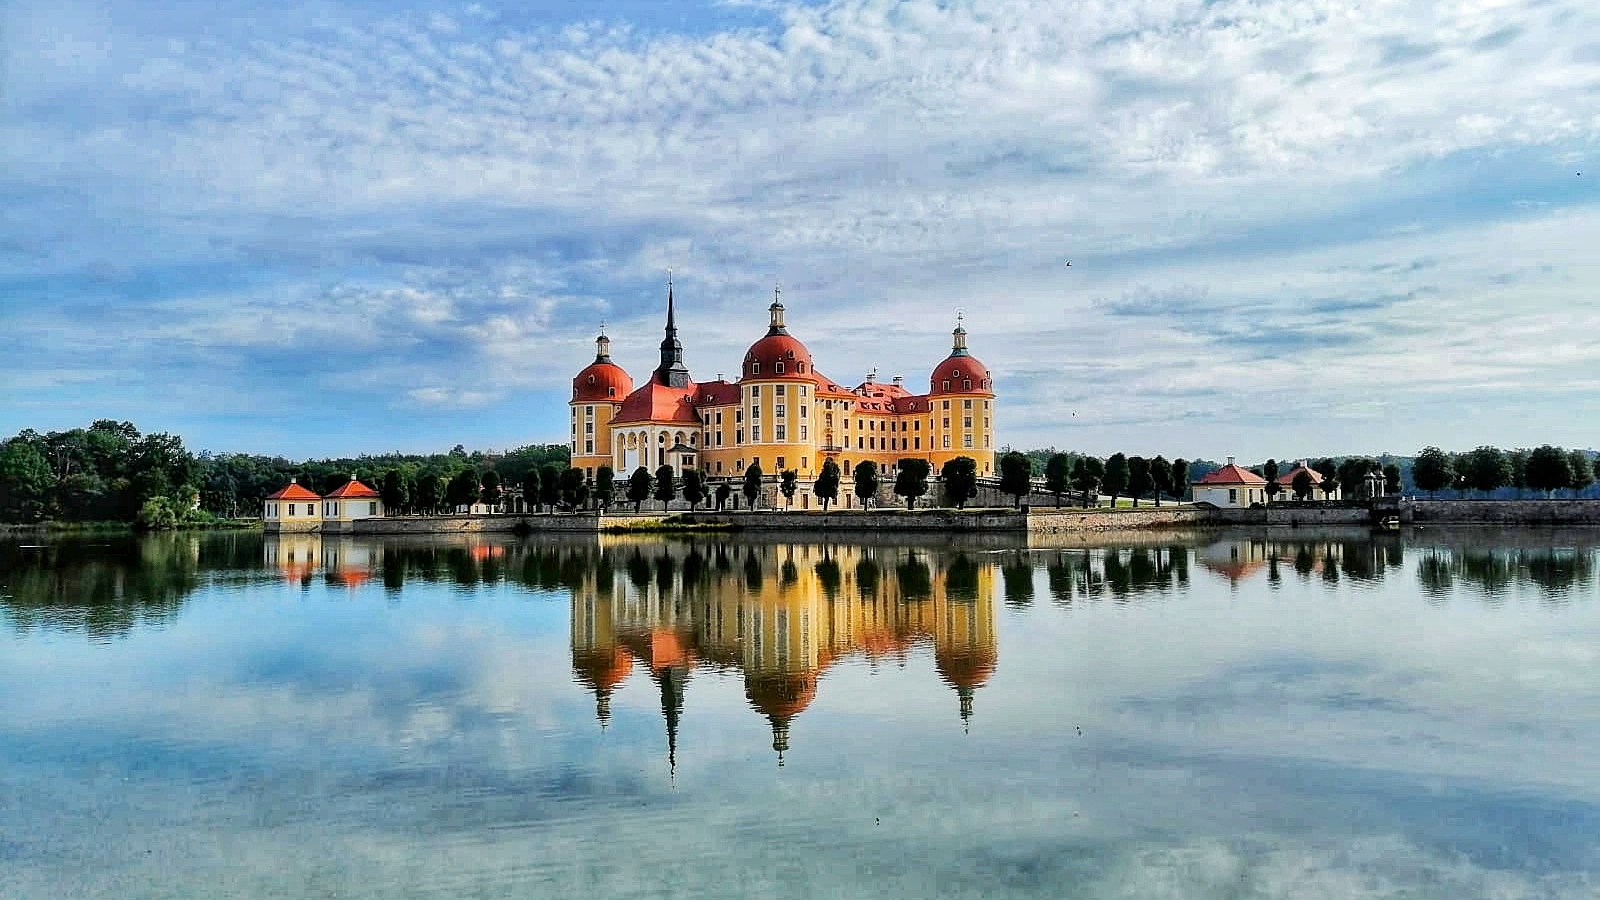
x,y
1329,470
752,483
395,492
1180,478
1016,476
431,490
723,493
1519,468
1057,476
1353,474
694,487
867,482
788,483
491,489
911,480
604,485
1548,469
1431,471
1302,485
574,488
531,489
550,484
639,486
666,484
1270,473
1138,477
1487,469
1391,479
1583,473
960,477
826,487
1160,477
25,482
463,489
1087,473
1116,477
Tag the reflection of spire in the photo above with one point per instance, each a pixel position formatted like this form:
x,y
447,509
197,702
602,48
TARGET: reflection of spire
x,y
780,735
965,693
672,679
602,708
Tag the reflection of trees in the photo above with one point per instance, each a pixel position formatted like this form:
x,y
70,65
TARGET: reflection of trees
x,y
867,575
961,578
107,587
1017,576
916,582
1059,577
828,577
1491,573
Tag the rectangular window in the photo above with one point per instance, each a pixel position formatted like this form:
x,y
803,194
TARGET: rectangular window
x,y
755,433
917,425
946,424
966,404
778,432
803,409
916,443
372,508
753,390
947,442
738,415
719,418
966,421
1233,495
291,509
861,443
779,390
755,369
780,410
966,440
755,412
802,432
588,411
946,404
803,392
588,428
778,367
780,464
588,448
738,436
986,442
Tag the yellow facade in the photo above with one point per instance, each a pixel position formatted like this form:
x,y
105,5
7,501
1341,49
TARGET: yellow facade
x,y
782,413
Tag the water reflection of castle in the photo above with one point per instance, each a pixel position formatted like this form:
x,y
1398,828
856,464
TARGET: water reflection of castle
x,y
781,615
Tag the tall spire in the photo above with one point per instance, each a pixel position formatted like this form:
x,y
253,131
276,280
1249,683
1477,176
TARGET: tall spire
x,y
958,342
776,325
671,372
602,345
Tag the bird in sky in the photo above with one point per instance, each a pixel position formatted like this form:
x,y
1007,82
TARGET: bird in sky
x,y
1069,262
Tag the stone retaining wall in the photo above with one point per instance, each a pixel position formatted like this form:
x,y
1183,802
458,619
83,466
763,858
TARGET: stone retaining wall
x,y
1506,512
1066,519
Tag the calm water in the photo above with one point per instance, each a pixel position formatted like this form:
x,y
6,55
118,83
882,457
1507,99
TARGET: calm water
x,y
1321,716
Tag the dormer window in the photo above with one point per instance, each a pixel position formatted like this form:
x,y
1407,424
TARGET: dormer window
x,y
801,368
591,379
755,368
966,384
946,386
611,392
778,367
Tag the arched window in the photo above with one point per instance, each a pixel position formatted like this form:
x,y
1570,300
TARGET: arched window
x,y
611,392
591,379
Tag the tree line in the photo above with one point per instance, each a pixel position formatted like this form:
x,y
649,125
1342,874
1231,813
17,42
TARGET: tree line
x,y
1487,469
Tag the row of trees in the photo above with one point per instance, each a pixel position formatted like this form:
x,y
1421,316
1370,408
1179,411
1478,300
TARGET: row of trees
x,y
1117,475
1488,469
106,472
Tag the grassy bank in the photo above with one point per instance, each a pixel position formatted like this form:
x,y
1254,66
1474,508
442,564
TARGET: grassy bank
x,y
70,529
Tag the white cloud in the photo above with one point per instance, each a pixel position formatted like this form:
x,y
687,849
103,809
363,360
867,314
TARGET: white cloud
x,y
904,158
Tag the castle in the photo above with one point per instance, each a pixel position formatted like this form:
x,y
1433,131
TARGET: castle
x,y
781,412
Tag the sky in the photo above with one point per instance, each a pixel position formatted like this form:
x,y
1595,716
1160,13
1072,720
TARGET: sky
x,y
1308,227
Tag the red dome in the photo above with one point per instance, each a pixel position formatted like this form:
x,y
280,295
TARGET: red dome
x,y
781,695
601,381
961,374
765,357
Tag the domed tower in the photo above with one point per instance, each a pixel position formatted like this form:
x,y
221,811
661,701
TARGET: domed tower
x,y
775,414
597,394
961,407
599,661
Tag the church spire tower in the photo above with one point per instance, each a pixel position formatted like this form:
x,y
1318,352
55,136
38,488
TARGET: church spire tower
x,y
671,372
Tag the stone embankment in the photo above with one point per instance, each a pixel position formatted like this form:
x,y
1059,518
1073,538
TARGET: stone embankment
x,y
1037,520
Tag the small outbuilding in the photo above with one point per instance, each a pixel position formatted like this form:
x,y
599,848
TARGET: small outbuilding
x,y
292,508
350,501
1230,487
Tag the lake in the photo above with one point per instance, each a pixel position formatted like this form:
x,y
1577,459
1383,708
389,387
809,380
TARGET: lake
x,y
1210,715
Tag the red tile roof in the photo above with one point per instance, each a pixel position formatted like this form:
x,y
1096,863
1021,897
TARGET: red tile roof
x,y
655,402
717,393
1231,474
293,491
1287,478
352,490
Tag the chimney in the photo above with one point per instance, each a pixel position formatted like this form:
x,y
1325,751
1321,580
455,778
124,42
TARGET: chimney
x,y
293,480
899,381
719,376
872,377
